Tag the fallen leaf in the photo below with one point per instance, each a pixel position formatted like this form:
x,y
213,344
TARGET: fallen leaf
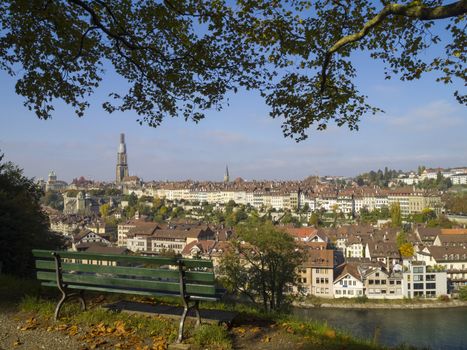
x,y
266,339
73,330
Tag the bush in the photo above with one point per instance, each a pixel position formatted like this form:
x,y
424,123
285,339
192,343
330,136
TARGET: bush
x,y
361,299
444,298
463,293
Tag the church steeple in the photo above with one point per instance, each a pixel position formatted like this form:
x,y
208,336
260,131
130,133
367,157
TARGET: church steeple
x,y
122,164
226,174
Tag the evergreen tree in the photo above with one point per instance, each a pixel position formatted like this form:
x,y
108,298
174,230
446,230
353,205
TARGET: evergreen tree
x,y
24,226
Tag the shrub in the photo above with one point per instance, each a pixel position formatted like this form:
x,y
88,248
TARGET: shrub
x,y
361,299
463,293
444,298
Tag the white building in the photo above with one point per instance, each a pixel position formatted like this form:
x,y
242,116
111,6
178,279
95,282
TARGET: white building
x,y
348,282
422,281
459,179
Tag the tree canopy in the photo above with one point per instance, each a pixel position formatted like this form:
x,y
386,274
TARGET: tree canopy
x,y
262,264
182,57
24,226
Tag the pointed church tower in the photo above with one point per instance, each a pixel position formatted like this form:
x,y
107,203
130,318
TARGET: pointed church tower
x,y
226,174
122,165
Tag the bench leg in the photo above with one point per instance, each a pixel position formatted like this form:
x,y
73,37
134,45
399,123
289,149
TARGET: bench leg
x,y
59,306
65,297
186,309
182,324
198,315
82,300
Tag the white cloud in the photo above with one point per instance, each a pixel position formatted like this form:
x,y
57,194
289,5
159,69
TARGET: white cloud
x,y
438,114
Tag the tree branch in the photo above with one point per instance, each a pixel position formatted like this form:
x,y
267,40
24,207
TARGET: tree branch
x,y
413,11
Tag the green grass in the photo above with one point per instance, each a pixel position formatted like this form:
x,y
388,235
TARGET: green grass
x,y
210,336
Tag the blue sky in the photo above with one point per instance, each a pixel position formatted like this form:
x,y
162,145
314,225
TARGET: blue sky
x,y
423,125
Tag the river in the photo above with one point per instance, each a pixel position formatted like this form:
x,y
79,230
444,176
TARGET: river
x,y
430,328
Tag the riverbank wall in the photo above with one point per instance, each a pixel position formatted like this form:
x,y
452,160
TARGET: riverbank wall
x,y
370,305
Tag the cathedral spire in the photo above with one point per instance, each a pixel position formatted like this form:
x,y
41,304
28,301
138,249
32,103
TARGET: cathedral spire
x,y
122,164
226,174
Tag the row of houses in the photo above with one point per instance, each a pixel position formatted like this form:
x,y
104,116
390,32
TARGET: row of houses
x,y
348,261
350,201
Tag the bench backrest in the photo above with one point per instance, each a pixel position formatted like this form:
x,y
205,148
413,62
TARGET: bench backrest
x,y
114,272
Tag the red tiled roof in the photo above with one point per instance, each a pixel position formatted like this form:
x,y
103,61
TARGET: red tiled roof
x,y
301,232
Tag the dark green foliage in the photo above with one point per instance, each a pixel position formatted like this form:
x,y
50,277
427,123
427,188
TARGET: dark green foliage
x,y
315,220
53,199
441,183
180,58
442,222
373,216
377,178
456,203
288,218
423,217
23,224
396,218
463,293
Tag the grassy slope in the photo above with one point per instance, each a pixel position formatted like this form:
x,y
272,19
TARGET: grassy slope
x,y
100,328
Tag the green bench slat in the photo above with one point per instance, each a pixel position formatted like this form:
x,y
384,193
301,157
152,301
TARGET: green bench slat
x,y
123,282
193,263
192,276
135,292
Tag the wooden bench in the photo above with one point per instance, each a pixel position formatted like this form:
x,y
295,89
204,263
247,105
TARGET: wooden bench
x,y
75,272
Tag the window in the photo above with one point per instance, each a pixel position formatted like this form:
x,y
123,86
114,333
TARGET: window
x,y
418,294
338,291
408,285
391,282
398,282
418,278
317,280
431,293
431,286
377,281
350,292
418,286
326,280
383,281
377,274
430,277
418,269
370,281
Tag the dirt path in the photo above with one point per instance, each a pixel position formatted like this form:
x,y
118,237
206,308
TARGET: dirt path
x,y
17,333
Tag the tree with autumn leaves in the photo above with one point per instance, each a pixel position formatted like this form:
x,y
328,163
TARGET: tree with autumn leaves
x,y
406,249
262,264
